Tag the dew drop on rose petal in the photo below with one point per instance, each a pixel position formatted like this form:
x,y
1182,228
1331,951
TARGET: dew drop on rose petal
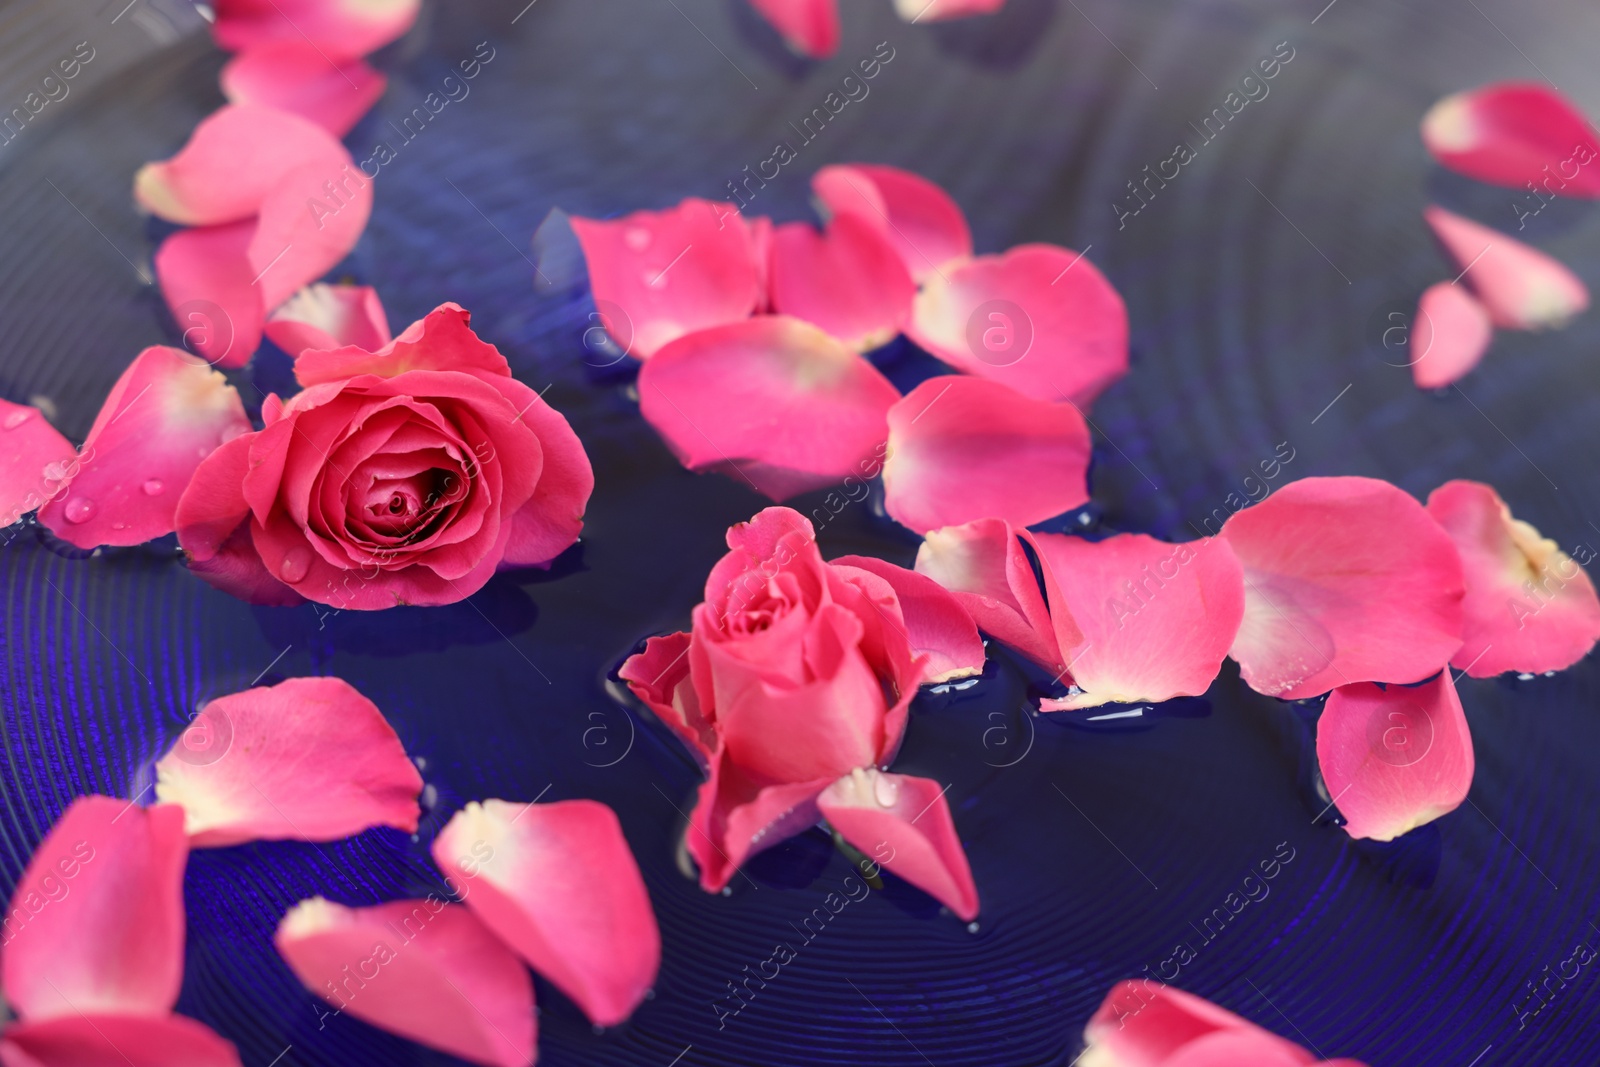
x,y
154,487
55,472
886,790
17,418
636,238
80,509
296,562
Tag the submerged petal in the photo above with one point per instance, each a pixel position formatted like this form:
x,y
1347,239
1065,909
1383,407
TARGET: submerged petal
x,y
423,969
1452,333
558,883
904,824
925,226
848,279
772,400
1396,758
308,759
963,448
1522,287
1514,133
658,275
1529,606
96,924
1346,580
1041,319
167,413
1157,618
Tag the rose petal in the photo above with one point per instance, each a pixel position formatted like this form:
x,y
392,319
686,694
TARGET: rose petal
x,y
1157,619
115,1041
231,163
1451,335
552,519
962,449
326,316
1146,1024
924,225
215,536
423,969
873,809
1529,607
309,221
847,279
96,923
165,414
1394,759
308,759
1514,133
810,27
1041,319
1520,286
294,76
210,288
936,624
735,819
983,564
772,400
659,676
657,275
558,884
936,10
1346,580
442,340
339,28
34,460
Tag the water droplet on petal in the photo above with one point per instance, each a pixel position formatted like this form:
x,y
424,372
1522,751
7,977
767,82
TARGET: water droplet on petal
x,y
80,509
154,487
636,238
17,418
54,472
886,790
119,526
1524,677
296,562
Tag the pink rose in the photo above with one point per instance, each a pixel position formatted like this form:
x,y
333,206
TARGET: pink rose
x,y
402,476
792,688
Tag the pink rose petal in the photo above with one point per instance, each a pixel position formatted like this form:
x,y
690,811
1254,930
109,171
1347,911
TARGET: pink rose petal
x,y
1157,618
442,340
308,759
211,526
423,969
920,220
1529,607
984,565
552,519
659,676
309,221
339,28
936,624
115,1041
296,77
1041,319
1451,335
811,27
735,819
771,400
559,885
96,924
165,414
903,823
1146,1024
232,162
936,10
1513,133
323,316
1522,287
34,460
658,275
209,286
1396,758
1346,580
847,279
962,449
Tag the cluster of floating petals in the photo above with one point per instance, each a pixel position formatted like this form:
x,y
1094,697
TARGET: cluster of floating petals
x,y
94,945
792,690
750,335
1521,287
811,27
1146,1024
